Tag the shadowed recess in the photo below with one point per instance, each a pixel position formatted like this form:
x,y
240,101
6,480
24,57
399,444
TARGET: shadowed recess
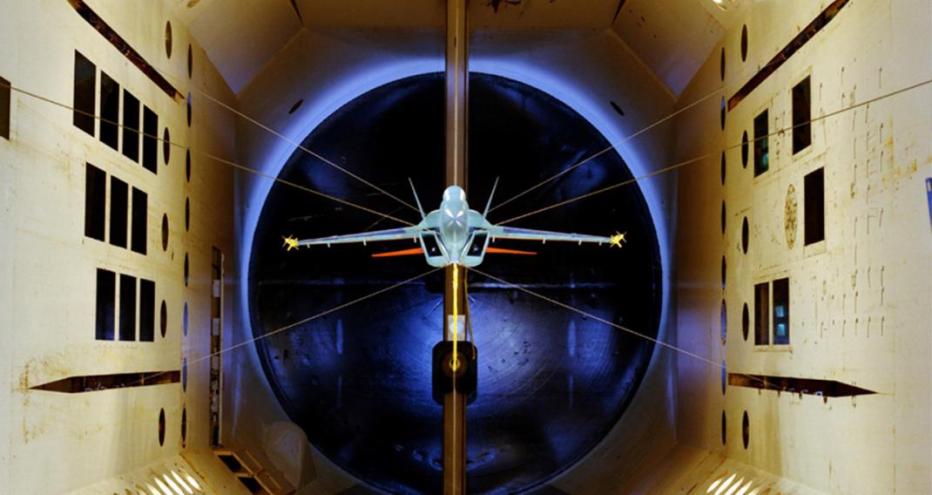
x,y
358,381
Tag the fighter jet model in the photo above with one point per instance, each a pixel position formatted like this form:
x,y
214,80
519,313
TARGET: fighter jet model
x,y
454,234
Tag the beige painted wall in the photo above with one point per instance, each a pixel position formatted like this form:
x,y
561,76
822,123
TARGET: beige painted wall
x,y
56,442
860,300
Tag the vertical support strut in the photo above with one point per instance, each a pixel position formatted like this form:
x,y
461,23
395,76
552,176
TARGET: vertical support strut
x,y
457,93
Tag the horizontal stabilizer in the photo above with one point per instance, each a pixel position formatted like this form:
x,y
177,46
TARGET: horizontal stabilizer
x,y
495,250
400,252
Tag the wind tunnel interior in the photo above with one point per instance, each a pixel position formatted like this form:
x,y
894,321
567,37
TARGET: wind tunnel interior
x,y
770,165
552,383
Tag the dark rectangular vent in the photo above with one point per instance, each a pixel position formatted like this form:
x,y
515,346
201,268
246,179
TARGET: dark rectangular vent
x,y
761,143
762,314
119,204
140,221
814,206
127,308
94,383
85,93
106,299
807,386
109,111
5,108
802,111
146,310
791,48
150,141
95,202
123,47
130,126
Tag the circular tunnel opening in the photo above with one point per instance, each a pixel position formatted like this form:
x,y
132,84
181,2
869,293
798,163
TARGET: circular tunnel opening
x,y
552,382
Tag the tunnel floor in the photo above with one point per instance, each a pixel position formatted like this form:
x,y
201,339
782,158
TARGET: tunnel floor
x,y
552,383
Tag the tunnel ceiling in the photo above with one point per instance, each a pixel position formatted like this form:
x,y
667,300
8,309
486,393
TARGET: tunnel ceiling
x,y
551,382
242,36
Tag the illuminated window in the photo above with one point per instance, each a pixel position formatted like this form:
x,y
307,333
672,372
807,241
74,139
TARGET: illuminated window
x,y
140,219
814,206
95,202
762,314
109,111
781,311
119,200
106,296
85,88
130,126
780,291
761,144
127,307
802,135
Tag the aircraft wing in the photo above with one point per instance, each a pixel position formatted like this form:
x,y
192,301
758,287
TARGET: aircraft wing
x,y
360,238
500,232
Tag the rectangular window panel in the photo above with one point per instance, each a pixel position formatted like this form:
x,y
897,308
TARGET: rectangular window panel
x,y
130,126
106,295
127,307
762,314
4,108
85,91
146,310
95,202
150,145
761,144
802,135
140,219
109,111
781,311
814,206
119,201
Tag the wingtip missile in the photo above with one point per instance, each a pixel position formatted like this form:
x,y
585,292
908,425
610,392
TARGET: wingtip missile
x,y
617,240
291,243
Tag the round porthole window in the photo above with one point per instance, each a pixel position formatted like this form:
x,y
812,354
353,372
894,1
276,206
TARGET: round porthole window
x,y
187,269
162,427
190,61
184,427
166,145
721,64
723,272
724,428
723,168
164,232
187,213
184,319
724,322
168,39
745,235
721,115
745,322
744,42
187,165
744,149
163,322
724,377
724,217
745,430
